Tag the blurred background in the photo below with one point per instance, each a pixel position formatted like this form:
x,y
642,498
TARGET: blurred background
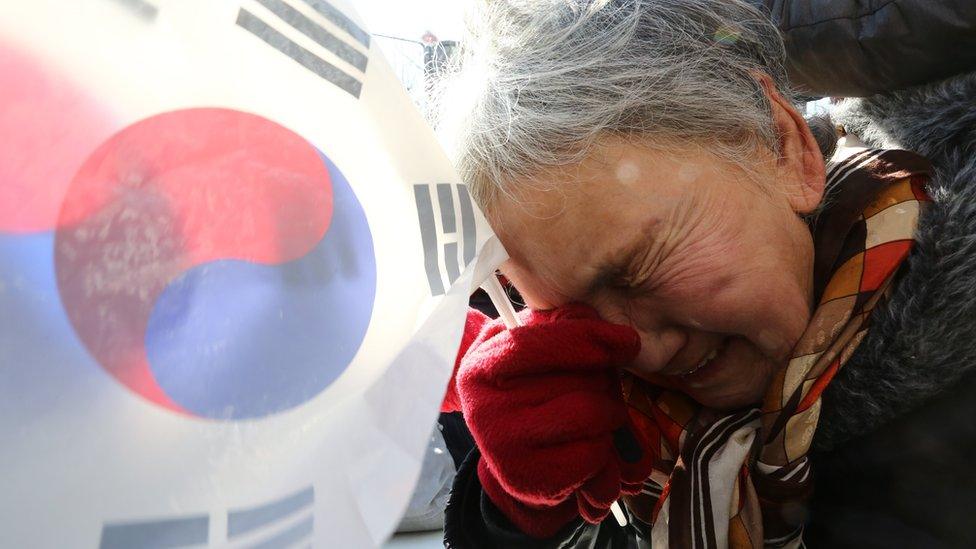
x,y
417,38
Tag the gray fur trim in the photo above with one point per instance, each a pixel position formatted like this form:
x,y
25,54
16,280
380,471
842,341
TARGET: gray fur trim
x,y
823,130
937,120
924,339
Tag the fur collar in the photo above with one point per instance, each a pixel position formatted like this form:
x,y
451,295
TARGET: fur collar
x,y
923,341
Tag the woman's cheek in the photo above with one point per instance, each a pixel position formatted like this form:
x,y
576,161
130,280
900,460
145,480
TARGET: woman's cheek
x,y
785,321
742,385
776,346
765,308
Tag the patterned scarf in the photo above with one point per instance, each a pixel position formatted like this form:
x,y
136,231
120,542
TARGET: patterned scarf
x,y
741,480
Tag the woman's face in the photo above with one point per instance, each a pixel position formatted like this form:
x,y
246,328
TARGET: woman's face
x,y
711,267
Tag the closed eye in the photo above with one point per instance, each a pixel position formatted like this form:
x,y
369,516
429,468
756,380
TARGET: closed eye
x,y
630,267
640,269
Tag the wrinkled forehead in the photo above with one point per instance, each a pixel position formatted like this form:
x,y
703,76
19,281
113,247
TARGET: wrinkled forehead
x,y
541,229
556,237
562,226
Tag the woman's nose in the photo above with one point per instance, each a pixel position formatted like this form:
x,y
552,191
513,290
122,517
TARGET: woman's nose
x,y
658,347
660,340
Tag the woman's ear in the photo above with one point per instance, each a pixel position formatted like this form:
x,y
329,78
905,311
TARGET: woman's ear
x,y
800,161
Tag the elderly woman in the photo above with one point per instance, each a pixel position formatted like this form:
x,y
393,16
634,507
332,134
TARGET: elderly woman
x,y
717,317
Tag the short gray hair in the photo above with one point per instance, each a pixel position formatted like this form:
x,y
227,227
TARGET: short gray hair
x,y
541,80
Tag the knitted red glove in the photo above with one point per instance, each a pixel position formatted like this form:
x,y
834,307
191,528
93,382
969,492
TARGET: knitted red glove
x,y
472,327
544,405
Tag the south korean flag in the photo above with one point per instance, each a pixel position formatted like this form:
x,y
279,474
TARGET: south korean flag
x,y
234,271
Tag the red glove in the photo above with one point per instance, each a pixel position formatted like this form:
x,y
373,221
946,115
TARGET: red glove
x,y
472,327
544,404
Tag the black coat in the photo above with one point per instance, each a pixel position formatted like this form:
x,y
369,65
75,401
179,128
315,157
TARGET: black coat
x,y
856,48
895,451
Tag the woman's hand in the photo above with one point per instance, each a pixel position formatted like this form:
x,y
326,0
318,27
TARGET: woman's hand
x,y
543,402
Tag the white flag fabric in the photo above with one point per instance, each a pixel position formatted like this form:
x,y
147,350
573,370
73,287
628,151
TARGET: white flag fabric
x,y
234,269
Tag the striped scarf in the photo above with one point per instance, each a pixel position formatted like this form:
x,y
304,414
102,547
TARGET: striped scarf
x,y
741,480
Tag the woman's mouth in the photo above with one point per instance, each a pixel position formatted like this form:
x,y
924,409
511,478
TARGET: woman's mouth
x,y
710,363
704,362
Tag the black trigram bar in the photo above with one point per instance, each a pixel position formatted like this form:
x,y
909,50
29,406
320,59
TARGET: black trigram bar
x,y
140,8
339,19
297,20
243,521
261,524
289,536
467,220
447,253
156,534
314,31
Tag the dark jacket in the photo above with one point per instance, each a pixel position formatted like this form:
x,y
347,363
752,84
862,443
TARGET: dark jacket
x,y
897,444
856,48
895,453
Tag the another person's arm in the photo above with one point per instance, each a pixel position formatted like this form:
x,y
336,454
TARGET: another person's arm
x,y
853,48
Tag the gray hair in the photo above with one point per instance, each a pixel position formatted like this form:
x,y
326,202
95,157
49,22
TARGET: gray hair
x,y
540,81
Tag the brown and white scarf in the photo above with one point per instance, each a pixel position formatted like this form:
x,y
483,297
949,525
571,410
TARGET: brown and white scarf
x,y
741,480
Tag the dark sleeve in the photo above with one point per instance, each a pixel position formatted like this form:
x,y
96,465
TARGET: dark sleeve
x,y
473,522
907,484
857,48
456,435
